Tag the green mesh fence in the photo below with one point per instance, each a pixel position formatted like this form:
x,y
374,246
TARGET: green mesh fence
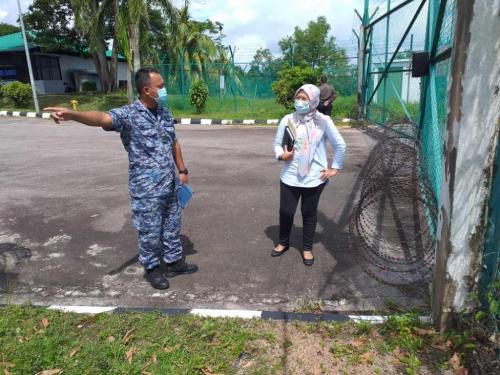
x,y
424,102
433,122
238,86
392,95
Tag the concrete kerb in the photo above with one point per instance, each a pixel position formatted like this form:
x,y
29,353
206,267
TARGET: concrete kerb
x,y
327,316
180,121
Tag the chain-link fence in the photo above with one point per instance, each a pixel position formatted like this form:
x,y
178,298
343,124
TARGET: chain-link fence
x,y
240,86
392,31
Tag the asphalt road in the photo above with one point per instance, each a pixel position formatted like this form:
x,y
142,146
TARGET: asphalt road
x,y
66,237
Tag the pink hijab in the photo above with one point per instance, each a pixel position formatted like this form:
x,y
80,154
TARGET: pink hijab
x,y
315,123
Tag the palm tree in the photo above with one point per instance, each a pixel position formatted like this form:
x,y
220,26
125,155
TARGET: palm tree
x,y
190,48
90,21
133,20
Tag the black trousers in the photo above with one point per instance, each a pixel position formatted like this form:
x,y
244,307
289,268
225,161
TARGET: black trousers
x,y
289,198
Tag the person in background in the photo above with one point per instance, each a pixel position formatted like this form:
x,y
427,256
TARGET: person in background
x,y
327,95
305,171
148,135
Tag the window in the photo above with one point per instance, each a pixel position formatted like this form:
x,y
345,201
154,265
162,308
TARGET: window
x,y
7,73
46,68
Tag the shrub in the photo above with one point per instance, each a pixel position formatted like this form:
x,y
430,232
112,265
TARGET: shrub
x,y
345,106
198,94
289,80
20,93
89,86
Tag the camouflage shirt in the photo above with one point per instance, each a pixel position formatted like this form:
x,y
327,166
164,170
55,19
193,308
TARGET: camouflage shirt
x,y
148,140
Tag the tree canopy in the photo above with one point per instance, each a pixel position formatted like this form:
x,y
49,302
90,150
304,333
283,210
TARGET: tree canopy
x,y
7,28
51,26
313,46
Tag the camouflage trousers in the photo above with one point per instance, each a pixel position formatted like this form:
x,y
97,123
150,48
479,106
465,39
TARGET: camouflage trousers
x,y
158,221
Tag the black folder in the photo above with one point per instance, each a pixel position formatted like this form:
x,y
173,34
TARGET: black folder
x,y
288,139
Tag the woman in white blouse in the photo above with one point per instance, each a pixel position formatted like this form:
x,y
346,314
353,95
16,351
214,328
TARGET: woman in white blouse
x,y
305,169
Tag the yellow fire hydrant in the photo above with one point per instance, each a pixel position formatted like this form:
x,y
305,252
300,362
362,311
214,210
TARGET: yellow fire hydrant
x,y
74,104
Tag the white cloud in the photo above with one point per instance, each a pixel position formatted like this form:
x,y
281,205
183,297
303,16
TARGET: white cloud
x,y
252,24
9,11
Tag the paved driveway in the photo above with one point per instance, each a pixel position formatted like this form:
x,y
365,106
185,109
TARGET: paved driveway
x,y
65,234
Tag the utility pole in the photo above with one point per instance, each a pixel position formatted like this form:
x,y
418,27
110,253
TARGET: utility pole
x,y
388,20
232,50
28,59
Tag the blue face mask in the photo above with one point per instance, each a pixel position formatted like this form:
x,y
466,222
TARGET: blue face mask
x,y
301,106
161,99
162,96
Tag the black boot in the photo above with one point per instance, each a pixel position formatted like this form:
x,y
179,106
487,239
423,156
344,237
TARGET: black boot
x,y
180,267
156,278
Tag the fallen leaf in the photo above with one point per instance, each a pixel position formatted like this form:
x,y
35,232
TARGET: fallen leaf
x,y
248,364
111,339
455,361
130,353
397,352
440,346
462,371
45,322
145,373
168,349
368,357
208,371
6,372
396,362
126,338
358,342
449,344
73,352
154,359
424,332
50,372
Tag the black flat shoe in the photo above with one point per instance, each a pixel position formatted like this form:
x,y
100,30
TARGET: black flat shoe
x,y
275,253
307,262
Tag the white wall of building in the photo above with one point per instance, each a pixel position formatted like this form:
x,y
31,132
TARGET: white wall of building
x,y
49,87
86,69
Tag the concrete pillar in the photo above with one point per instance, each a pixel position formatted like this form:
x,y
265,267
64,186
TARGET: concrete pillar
x,y
471,139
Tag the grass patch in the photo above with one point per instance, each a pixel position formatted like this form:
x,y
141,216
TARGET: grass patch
x,y
34,339
219,108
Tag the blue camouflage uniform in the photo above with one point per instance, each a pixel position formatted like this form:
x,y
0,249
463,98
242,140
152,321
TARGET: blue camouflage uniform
x,y
156,213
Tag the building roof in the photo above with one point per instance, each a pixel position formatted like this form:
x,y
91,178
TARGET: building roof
x,y
13,42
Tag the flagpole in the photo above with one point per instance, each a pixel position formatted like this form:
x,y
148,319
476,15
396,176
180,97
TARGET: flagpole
x,y
28,59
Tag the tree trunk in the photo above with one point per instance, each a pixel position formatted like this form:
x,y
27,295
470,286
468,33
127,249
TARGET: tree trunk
x,y
99,55
134,46
113,78
133,39
105,77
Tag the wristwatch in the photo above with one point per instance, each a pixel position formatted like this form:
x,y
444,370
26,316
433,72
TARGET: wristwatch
x,y
184,171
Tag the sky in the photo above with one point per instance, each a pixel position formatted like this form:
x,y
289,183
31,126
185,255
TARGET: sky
x,y
253,24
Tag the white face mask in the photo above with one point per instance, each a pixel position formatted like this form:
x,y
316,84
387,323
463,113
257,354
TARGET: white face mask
x,y
301,106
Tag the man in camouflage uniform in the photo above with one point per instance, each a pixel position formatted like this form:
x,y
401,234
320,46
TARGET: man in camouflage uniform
x,y
148,135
